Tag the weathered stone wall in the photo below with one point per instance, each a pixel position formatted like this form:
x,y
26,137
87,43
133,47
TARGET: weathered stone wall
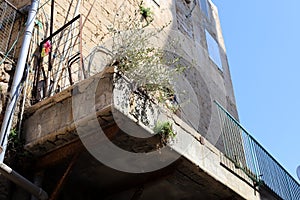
x,y
187,20
7,61
50,123
127,108
208,82
6,72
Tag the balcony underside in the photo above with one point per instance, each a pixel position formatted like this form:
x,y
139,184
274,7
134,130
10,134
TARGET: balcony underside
x,y
181,180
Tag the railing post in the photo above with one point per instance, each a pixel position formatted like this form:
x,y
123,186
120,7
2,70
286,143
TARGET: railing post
x,y
258,161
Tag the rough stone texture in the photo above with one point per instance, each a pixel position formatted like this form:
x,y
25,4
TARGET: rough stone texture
x,y
183,21
186,143
49,124
208,82
203,159
6,73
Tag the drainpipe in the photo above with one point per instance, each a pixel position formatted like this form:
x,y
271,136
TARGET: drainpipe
x,y
6,124
13,176
5,170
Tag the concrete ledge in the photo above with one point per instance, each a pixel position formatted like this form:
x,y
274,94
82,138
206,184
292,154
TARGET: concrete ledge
x,y
50,126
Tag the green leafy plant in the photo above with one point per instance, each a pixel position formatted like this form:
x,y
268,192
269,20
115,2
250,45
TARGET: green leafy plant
x,y
14,142
145,12
131,50
15,149
165,131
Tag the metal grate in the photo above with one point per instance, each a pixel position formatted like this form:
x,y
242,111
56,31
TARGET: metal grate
x,y
259,164
60,67
7,18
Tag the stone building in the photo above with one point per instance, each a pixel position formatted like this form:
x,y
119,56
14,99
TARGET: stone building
x,y
93,131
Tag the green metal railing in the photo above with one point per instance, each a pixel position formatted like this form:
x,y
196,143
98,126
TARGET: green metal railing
x,y
254,160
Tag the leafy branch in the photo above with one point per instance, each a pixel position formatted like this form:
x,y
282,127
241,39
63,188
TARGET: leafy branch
x,y
165,131
151,69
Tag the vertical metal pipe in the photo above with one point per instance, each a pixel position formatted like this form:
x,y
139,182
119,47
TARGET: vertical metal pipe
x,y
51,21
48,81
64,54
82,69
6,125
13,176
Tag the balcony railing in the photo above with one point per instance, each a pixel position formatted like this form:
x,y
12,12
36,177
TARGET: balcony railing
x,y
59,63
254,160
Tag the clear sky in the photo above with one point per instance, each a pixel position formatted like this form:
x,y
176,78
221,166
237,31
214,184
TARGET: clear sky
x,y
262,39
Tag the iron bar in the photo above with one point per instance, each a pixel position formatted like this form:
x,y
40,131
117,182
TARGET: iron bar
x,y
60,29
59,49
80,49
13,176
260,165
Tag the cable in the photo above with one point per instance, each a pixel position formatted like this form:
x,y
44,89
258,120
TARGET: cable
x,y
43,4
11,48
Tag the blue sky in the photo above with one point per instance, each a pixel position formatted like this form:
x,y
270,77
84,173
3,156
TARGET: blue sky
x,y
262,39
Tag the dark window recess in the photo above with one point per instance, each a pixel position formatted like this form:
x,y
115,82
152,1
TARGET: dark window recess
x,y
185,24
204,7
213,50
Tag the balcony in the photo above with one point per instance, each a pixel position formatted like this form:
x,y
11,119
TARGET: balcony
x,y
249,159
67,124
255,161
